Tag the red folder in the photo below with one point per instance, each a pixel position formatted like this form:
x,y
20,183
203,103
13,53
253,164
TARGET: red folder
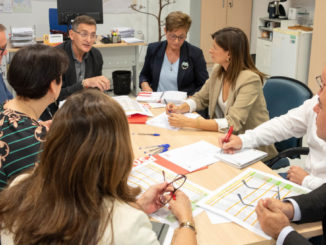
x,y
137,119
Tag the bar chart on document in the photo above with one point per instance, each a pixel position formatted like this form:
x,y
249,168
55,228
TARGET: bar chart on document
x,y
237,199
150,173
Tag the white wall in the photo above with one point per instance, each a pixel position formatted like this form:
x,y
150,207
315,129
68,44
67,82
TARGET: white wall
x,y
145,23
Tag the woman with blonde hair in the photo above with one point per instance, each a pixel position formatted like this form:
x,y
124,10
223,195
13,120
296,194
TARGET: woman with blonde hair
x,y
79,193
233,94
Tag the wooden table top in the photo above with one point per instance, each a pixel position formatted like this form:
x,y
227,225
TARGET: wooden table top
x,y
211,178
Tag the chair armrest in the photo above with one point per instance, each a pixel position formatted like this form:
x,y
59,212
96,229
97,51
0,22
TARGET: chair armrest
x,y
295,151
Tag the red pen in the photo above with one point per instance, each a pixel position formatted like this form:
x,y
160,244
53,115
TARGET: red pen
x,y
228,135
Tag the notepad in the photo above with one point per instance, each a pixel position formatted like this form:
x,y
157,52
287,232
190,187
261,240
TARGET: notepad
x,y
242,158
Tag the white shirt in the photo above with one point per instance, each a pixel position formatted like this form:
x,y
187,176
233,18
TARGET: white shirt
x,y
221,121
297,122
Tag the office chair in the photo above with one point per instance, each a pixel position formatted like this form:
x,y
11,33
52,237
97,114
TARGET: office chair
x,y
55,28
281,95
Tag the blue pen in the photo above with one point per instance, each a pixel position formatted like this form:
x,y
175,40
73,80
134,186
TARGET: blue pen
x,y
149,134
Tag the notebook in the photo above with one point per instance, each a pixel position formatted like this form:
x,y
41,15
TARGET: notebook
x,y
242,158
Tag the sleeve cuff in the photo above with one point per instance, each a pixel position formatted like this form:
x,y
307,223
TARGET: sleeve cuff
x,y
222,124
192,105
283,234
296,208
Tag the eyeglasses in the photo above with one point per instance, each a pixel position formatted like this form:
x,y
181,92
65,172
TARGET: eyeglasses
x,y
175,37
319,81
2,50
85,35
176,183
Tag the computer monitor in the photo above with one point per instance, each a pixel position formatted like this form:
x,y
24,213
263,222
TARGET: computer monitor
x,y
68,10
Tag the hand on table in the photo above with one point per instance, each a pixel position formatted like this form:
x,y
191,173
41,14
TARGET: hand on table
x,y
230,147
100,82
296,174
179,120
270,216
150,199
145,87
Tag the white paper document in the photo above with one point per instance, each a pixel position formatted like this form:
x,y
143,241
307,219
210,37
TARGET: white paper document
x,y
150,173
242,158
237,199
162,121
175,97
194,156
132,107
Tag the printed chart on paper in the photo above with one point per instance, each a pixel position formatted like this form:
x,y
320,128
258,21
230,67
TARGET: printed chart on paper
x,y
150,173
237,199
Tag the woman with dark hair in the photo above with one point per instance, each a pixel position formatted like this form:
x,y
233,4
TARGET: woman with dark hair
x,y
233,93
174,64
79,194
35,74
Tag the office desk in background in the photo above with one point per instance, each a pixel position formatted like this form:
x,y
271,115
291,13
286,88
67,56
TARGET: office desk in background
x,y
211,178
115,56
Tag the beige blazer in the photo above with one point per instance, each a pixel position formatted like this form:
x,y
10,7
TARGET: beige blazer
x,y
245,107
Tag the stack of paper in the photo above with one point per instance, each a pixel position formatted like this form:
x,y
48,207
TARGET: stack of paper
x,y
132,107
132,40
125,31
22,36
175,97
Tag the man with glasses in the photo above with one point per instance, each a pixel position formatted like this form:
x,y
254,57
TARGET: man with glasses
x,y
297,122
86,62
274,215
4,92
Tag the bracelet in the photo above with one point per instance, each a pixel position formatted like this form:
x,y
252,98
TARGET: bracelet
x,y
189,225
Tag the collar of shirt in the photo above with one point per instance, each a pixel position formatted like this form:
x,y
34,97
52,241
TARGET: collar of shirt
x,y
74,57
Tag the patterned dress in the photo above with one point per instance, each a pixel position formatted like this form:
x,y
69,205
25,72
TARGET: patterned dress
x,y
20,141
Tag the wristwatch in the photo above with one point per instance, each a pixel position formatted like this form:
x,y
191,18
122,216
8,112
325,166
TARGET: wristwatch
x,y
189,225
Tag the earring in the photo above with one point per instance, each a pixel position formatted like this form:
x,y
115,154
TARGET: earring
x,y
55,101
228,59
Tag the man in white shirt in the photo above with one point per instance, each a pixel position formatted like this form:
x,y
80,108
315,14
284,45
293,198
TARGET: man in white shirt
x,y
296,123
274,215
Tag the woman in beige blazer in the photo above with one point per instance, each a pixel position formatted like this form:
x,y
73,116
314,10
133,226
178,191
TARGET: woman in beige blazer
x,y
233,93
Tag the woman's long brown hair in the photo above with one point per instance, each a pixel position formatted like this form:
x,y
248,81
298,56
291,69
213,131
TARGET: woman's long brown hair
x,y
87,157
235,41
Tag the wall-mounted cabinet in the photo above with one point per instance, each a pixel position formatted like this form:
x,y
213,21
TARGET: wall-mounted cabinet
x,y
217,14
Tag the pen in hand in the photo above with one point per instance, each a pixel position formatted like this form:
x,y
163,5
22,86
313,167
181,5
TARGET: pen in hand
x,y
166,103
227,137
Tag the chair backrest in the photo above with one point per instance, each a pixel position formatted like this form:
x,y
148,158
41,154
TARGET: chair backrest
x,y
53,22
283,94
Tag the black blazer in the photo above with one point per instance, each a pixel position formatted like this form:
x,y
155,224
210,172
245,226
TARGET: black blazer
x,y
192,72
94,64
93,68
313,208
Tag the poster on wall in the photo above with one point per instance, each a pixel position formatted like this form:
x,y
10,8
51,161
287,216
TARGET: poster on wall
x,y
5,6
22,6
117,6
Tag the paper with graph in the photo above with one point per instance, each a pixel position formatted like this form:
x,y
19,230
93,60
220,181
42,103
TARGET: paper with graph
x,y
150,173
238,198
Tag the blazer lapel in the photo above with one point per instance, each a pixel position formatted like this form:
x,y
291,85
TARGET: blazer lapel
x,y
230,99
157,66
183,59
216,89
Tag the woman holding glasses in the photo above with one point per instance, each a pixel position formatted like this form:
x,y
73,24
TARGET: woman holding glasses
x,y
174,64
79,192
